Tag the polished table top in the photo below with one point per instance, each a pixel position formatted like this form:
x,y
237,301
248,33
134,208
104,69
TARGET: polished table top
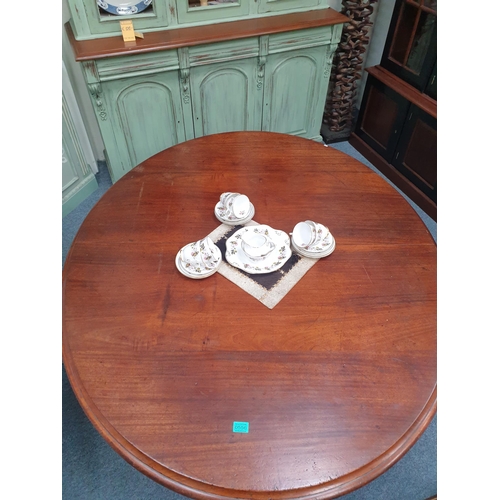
x,y
336,382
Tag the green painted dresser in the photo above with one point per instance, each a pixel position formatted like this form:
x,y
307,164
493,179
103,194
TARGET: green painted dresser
x,y
203,69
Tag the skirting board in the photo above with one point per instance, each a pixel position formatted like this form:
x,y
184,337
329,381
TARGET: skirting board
x,y
83,190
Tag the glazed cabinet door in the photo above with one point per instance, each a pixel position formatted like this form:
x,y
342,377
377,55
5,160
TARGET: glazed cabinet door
x,y
294,92
285,5
226,97
144,117
194,11
381,117
416,152
97,18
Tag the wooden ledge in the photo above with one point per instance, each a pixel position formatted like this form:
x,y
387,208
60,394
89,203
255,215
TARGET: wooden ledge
x,y
86,50
423,101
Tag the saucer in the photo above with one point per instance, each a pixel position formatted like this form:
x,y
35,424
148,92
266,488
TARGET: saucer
x,y
197,275
276,259
234,222
316,255
322,245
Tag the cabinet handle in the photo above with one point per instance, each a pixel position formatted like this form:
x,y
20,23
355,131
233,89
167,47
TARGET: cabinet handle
x,y
433,78
397,154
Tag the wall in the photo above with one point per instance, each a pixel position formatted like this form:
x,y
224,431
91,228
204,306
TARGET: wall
x,y
80,89
381,18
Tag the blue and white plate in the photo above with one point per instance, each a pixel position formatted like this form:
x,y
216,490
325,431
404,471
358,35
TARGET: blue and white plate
x,y
124,7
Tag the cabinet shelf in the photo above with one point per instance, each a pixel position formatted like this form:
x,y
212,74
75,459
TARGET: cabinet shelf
x,y
86,50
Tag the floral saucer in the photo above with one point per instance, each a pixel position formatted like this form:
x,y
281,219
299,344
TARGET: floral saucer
x,y
232,220
196,274
276,259
199,259
319,251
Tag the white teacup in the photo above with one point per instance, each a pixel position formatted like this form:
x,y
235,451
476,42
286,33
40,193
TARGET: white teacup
x,y
202,254
191,256
319,232
309,234
235,205
256,245
224,197
209,253
303,234
240,206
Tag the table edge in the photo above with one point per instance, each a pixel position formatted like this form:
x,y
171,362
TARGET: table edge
x,y
204,491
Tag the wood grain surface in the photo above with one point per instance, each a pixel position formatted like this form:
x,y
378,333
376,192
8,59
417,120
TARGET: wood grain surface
x,y
198,35
423,101
337,381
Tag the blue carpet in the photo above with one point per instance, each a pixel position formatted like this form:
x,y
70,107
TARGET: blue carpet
x,y
92,470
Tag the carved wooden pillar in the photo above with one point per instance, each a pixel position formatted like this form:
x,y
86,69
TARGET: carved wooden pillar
x,y
346,71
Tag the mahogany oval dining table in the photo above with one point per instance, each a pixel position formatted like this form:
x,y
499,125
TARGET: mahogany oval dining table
x,y
336,382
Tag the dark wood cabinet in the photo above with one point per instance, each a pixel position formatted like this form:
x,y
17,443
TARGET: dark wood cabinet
x,y
416,153
431,88
410,50
383,117
396,128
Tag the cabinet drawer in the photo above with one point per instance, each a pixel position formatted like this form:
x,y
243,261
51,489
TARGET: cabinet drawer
x,y
143,64
299,39
224,51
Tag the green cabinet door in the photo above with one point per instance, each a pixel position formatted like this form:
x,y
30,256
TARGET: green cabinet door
x,y
227,97
196,11
294,92
144,117
89,21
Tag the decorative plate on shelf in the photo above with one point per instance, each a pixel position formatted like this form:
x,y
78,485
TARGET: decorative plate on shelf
x,y
124,7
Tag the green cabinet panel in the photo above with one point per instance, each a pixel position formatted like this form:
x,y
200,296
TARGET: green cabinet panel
x,y
197,12
226,97
78,180
283,5
147,102
89,21
144,116
294,100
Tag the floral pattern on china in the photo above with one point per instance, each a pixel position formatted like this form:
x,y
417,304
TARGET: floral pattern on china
x,y
276,259
226,207
124,7
200,256
325,242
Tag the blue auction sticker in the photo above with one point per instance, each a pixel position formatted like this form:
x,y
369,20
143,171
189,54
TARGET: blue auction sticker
x,y
241,427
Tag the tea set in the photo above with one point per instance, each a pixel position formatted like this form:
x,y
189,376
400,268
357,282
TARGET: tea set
x,y
234,209
255,249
